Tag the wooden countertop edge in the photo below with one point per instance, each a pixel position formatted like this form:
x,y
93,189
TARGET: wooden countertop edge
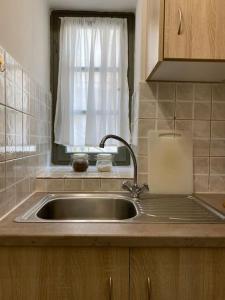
x,y
112,235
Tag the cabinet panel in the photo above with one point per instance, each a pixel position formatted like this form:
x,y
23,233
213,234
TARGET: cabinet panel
x,y
154,32
175,274
63,273
202,30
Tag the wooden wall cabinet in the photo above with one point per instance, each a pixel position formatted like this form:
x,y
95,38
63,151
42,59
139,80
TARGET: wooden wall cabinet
x,y
185,40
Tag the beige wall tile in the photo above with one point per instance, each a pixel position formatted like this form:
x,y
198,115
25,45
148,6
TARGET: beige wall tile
x,y
203,92
2,119
148,90
143,178
166,91
10,197
219,92
91,185
2,88
166,110
22,190
55,185
111,184
142,146
10,95
165,124
144,126
201,129
217,148
201,183
184,125
218,129
218,111
41,185
10,121
202,111
142,164
201,147
184,110
3,203
73,185
184,92
10,172
10,146
217,165
201,165
147,110
2,133
217,184
2,147
2,176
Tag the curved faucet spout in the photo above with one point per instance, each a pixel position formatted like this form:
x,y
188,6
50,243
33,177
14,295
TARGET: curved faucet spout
x,y
134,189
115,137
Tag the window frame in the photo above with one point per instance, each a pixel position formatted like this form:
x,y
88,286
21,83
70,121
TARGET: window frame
x,y
59,153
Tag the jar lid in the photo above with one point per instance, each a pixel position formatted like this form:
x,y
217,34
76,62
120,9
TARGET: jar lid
x,y
104,156
80,156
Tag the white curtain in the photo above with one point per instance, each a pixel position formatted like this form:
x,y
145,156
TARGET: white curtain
x,y
93,94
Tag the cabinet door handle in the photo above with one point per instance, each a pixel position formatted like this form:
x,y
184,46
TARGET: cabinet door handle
x,y
110,288
149,288
180,22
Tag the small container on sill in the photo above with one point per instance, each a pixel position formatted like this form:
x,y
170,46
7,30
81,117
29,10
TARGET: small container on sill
x,y
80,162
104,162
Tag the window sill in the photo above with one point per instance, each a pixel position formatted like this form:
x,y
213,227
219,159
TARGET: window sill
x,y
67,172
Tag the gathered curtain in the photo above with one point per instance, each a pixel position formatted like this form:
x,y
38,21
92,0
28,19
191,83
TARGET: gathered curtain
x,y
93,93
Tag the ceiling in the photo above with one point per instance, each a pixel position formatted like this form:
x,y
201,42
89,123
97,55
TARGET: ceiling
x,y
94,5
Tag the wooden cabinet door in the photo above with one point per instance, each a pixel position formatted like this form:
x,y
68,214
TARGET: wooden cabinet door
x,y
202,29
177,274
64,273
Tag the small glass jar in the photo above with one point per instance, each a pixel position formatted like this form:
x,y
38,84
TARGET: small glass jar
x,y
104,162
80,162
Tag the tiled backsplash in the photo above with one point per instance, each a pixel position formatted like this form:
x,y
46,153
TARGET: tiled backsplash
x,y
25,133
197,108
65,179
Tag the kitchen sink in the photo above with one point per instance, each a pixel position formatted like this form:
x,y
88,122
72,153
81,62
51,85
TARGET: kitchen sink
x,y
97,208
81,208
123,209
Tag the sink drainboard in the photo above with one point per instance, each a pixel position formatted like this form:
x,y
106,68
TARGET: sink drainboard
x,y
178,209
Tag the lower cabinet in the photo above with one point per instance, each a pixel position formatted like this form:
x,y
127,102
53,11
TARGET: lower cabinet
x,y
54,273
177,274
69,273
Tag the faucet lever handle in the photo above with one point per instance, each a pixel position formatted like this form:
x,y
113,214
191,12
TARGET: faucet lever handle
x,y
144,188
135,189
127,185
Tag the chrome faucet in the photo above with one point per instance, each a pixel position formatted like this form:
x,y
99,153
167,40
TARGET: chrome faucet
x,y
133,188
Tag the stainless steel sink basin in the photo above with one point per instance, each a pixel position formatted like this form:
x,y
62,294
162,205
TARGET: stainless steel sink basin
x,y
118,208
82,208
87,209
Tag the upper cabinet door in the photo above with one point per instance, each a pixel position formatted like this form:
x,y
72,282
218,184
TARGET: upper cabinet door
x,y
194,29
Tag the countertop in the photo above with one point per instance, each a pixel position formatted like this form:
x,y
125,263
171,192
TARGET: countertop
x,y
111,234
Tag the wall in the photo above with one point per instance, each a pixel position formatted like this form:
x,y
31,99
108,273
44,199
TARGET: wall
x,y
24,32
195,108
25,133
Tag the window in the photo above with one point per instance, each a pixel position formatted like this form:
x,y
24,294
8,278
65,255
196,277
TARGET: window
x,y
80,74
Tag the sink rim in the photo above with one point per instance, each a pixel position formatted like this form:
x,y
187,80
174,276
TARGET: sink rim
x,y
31,216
